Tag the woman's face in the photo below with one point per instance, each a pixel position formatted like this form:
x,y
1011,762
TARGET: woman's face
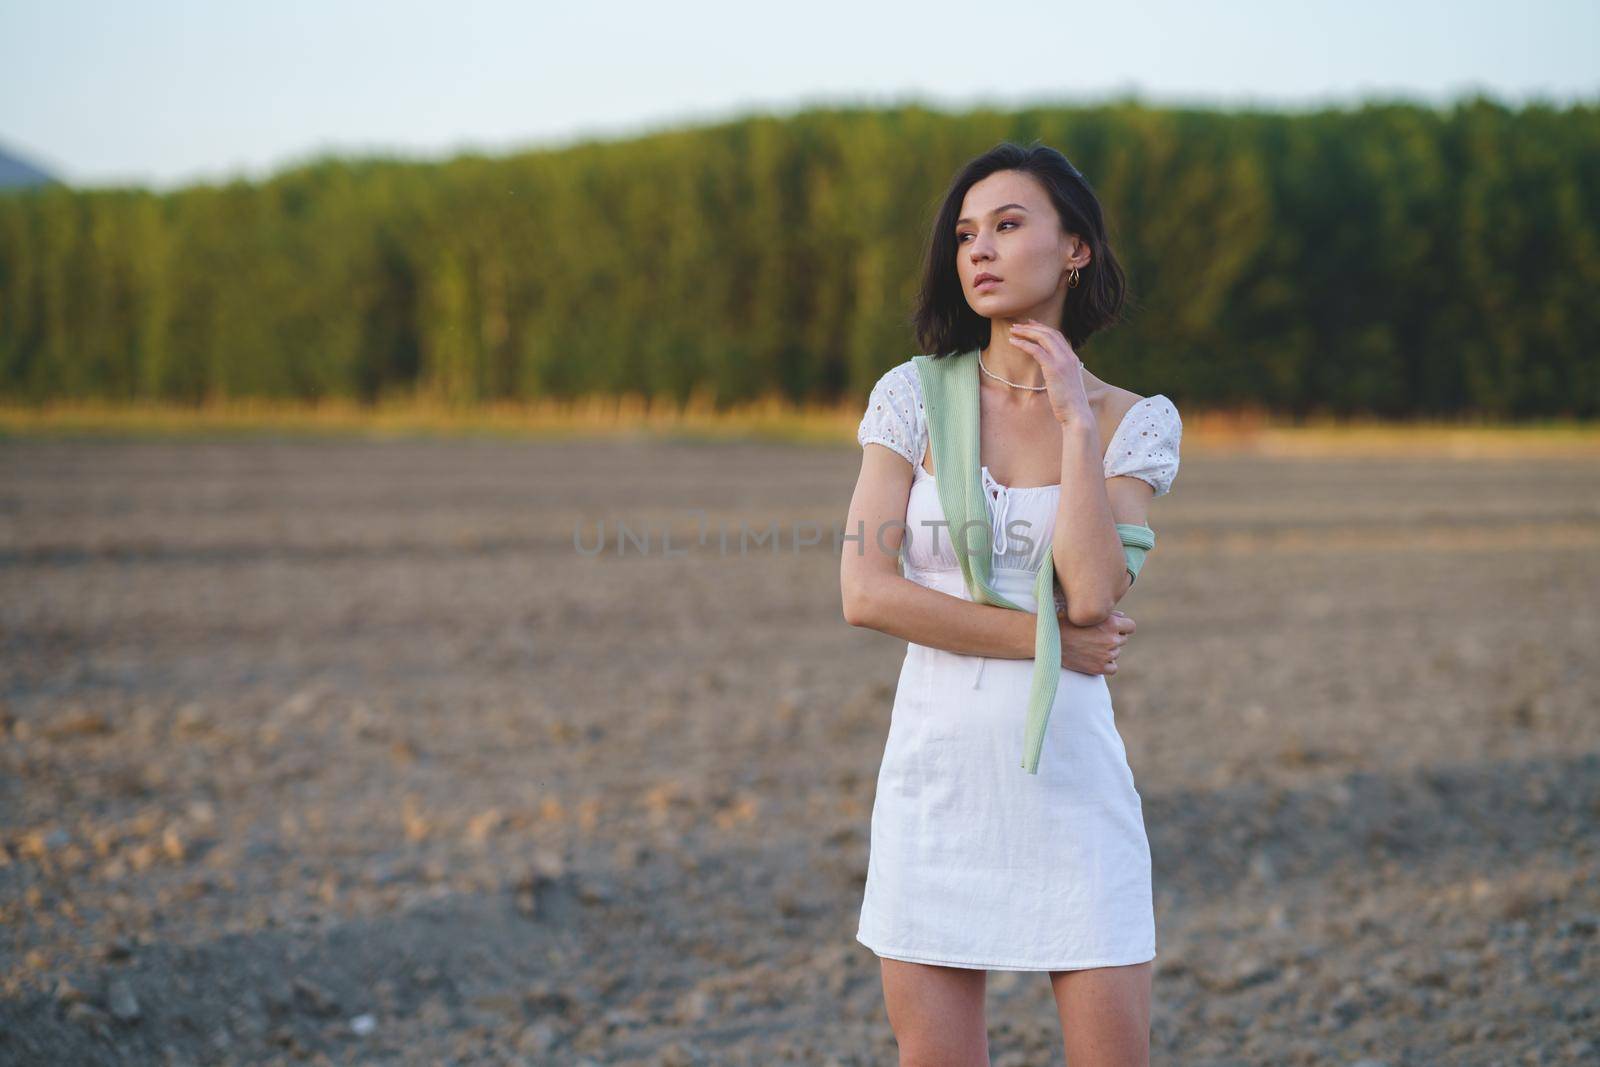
x,y
1009,229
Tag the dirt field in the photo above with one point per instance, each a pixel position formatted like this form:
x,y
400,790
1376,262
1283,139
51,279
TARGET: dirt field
x,y
343,752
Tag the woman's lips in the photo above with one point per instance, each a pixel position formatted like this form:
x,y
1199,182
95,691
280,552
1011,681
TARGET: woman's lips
x,y
987,283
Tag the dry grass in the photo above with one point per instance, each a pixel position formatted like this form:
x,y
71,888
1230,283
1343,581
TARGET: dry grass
x,y
622,417
773,418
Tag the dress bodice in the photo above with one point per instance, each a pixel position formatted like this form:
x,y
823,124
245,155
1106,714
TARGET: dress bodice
x,y
1022,520
1021,523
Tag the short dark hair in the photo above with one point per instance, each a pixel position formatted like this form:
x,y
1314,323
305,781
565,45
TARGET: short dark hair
x,y
945,323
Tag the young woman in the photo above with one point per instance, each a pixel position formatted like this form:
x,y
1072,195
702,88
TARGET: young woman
x,y
975,863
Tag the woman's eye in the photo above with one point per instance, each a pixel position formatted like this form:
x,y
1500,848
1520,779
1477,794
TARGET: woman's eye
x,y
961,236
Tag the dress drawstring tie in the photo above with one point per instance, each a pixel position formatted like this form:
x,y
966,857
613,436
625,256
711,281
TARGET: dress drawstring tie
x,y
1001,500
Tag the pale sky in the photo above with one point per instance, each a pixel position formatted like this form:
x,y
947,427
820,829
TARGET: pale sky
x,y
162,92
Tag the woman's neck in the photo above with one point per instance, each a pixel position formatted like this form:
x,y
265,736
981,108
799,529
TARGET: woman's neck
x,y
1010,362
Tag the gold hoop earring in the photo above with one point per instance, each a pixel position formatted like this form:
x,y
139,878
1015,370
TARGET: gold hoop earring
x,y
1072,279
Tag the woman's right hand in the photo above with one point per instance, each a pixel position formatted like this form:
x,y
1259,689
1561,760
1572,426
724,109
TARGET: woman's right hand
x,y
1093,649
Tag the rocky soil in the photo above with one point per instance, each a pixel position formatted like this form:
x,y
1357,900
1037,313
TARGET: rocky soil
x,y
343,752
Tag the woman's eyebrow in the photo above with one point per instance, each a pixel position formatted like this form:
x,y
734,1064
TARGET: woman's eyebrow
x,y
996,211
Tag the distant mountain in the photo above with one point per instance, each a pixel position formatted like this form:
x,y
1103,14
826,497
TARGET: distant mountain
x,y
17,173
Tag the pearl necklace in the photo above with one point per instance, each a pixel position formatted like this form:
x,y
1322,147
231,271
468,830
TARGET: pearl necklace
x,y
1014,385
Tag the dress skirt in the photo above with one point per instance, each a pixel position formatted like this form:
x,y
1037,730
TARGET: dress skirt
x,y
976,863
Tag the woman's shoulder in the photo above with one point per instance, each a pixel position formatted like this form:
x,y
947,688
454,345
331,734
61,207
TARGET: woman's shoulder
x,y
1140,435
1112,399
904,383
1113,404
904,373
895,415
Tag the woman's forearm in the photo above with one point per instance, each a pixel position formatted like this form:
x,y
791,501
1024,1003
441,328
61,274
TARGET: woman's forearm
x,y
1086,549
899,606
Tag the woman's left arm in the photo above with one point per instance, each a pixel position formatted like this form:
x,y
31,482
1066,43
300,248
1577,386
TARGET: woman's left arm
x,y
1086,548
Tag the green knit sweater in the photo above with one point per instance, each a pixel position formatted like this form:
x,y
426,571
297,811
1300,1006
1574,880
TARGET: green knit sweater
x,y
950,402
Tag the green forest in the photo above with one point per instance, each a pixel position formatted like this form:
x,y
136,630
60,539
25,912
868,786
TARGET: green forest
x,y
1388,259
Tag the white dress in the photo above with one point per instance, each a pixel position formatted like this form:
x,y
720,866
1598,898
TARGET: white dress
x,y
973,862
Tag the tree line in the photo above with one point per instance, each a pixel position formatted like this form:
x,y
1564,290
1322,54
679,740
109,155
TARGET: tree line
x,y
1391,259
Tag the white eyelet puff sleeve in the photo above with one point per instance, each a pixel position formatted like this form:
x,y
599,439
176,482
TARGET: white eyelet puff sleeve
x,y
1146,443
894,416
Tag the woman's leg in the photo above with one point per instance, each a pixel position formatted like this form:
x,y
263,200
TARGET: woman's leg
x,y
937,1013
1105,1014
